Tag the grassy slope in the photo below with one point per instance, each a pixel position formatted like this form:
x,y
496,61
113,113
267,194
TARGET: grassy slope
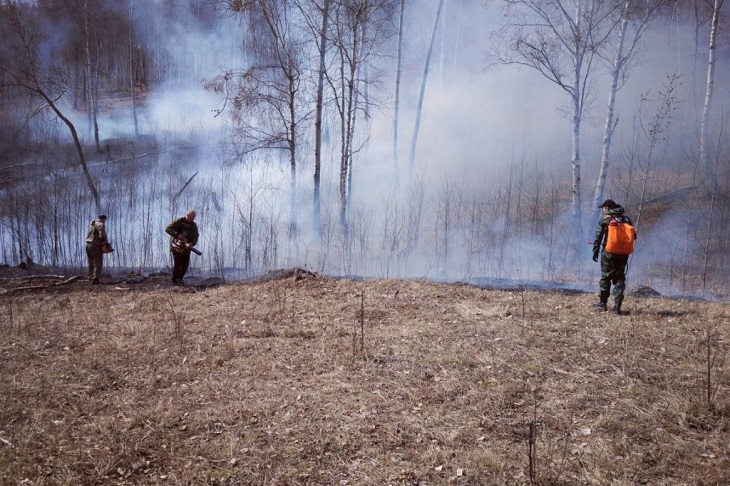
x,y
266,383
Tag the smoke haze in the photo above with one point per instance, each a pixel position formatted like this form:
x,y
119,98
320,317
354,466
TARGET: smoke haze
x,y
488,133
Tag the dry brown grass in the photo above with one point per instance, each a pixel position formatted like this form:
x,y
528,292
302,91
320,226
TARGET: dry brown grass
x,y
266,384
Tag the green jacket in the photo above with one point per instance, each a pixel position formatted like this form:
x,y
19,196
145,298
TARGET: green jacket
x,y
181,227
617,213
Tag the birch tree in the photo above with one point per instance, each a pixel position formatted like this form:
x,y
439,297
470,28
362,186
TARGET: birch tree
x,y
710,87
359,28
424,79
267,98
317,219
396,106
560,39
92,77
132,69
634,19
317,17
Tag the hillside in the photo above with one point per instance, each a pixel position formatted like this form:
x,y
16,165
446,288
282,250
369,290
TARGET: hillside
x,y
302,379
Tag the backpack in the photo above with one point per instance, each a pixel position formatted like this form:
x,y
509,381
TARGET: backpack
x,y
621,237
92,235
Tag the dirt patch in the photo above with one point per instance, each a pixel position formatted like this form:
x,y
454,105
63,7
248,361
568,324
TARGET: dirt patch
x,y
301,379
36,278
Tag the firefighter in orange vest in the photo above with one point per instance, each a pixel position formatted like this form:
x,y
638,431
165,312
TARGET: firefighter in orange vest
x,y
613,265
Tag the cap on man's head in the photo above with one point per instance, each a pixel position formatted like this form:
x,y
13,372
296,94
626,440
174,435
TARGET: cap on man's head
x,y
608,203
102,216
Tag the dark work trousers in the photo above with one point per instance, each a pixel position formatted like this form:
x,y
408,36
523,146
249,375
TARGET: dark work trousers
x,y
613,271
181,262
96,262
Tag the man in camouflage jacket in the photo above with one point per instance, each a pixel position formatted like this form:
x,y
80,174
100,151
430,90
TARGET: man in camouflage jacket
x,y
95,239
613,266
183,235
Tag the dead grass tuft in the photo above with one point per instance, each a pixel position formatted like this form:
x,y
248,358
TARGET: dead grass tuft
x,y
258,384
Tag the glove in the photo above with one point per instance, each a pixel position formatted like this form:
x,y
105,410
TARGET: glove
x,y
595,256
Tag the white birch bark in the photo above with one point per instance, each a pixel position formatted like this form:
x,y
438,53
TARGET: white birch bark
x,y
424,78
131,67
609,126
709,88
396,108
640,20
577,95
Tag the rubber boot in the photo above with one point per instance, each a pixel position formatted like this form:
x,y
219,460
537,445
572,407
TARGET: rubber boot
x,y
603,304
617,305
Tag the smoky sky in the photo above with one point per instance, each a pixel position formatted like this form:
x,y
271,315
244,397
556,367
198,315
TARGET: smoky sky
x,y
480,120
476,115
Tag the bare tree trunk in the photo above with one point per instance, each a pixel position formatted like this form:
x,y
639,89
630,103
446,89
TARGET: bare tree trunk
x,y
365,82
419,109
132,67
396,107
575,161
293,223
704,136
96,100
348,121
90,79
79,149
442,47
317,215
708,240
88,99
696,9
576,95
77,90
640,19
610,125
349,67
688,226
